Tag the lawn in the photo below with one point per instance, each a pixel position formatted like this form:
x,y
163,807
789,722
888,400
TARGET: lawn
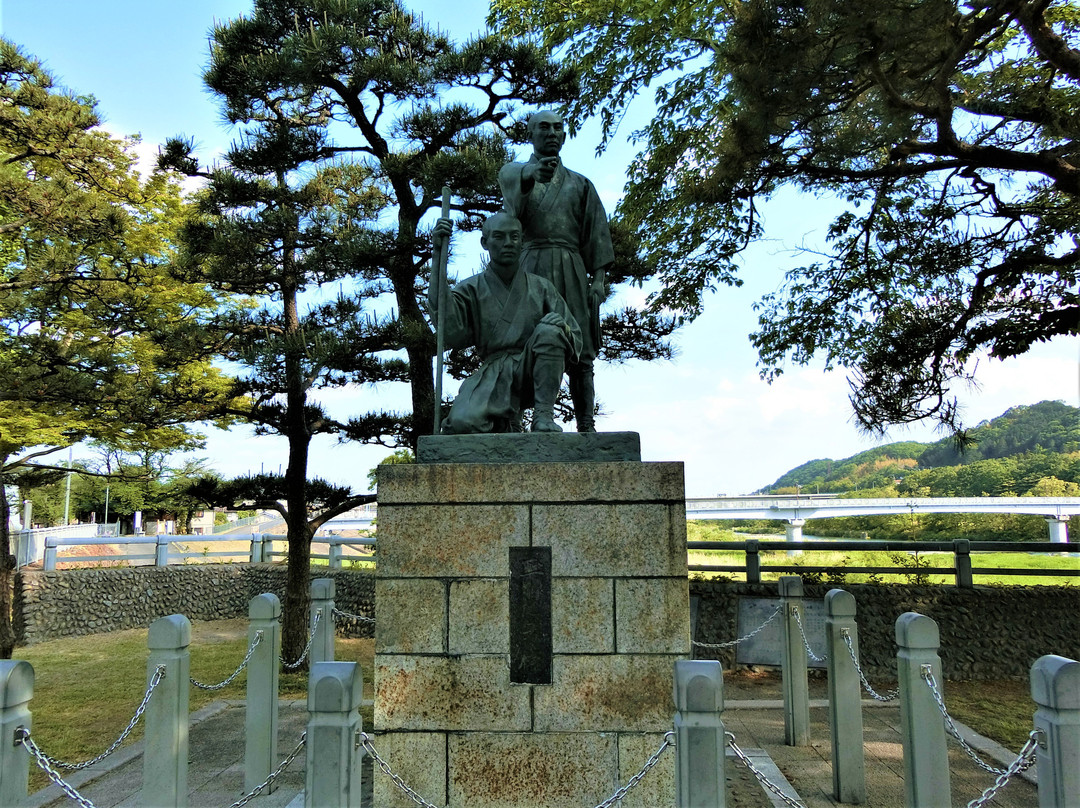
x,y
86,689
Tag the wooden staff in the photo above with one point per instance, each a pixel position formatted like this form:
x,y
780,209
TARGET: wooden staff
x,y
439,271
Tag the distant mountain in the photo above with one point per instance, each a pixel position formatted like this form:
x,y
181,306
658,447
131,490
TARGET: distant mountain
x,y
1027,449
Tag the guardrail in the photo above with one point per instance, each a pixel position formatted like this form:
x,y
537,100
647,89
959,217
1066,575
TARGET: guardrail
x,y
961,568
260,548
165,549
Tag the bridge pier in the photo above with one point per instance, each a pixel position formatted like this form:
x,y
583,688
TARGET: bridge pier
x,y
1059,529
793,532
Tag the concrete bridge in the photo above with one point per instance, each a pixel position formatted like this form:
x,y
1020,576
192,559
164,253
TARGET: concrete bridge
x,y
795,510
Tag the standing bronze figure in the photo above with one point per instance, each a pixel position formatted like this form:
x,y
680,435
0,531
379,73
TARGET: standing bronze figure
x,y
566,241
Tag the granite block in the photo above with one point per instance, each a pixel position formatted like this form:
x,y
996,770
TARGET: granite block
x,y
582,616
412,616
446,483
606,693
531,447
611,540
478,616
652,616
459,693
449,540
419,758
658,786
527,771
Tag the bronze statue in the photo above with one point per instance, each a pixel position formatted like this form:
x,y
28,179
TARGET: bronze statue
x,y
566,240
523,331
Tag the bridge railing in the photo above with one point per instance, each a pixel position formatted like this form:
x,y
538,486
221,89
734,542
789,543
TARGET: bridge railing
x,y
962,568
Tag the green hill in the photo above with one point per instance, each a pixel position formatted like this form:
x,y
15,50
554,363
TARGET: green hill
x,y
1027,450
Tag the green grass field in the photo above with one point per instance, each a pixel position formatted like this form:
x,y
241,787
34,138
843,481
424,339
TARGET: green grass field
x,y
86,689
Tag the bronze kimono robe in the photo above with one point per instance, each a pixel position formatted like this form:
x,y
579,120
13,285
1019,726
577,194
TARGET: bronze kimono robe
x,y
501,322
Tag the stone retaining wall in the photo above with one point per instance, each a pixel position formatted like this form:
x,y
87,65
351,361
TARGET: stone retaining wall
x,y
986,632
71,603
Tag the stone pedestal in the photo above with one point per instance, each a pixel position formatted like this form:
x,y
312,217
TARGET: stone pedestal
x,y
529,618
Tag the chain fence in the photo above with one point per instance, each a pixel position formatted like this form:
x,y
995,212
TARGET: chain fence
x,y
155,680
654,758
251,650
364,740
761,778
928,677
891,695
273,775
291,666
22,736
1024,761
731,643
806,643
353,618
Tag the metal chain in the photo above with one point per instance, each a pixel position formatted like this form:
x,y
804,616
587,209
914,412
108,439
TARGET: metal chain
x,y
806,643
892,695
251,650
365,741
669,740
346,616
273,775
768,620
765,781
928,677
159,674
291,666
1024,761
22,736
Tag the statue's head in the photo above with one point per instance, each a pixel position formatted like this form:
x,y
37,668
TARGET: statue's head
x,y
547,132
501,237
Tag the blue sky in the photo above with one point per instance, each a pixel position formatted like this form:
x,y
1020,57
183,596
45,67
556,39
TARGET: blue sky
x,y
142,60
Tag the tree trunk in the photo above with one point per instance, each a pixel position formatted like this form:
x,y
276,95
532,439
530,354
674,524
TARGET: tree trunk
x,y
7,578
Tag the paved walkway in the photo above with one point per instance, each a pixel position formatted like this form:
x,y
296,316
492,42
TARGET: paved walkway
x,y
215,775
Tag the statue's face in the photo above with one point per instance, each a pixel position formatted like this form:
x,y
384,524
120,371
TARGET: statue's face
x,y
502,240
547,133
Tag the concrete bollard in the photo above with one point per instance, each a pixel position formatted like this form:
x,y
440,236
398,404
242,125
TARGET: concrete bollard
x,y
161,550
16,690
922,726
796,684
1055,687
335,553
333,778
261,717
322,603
257,548
699,734
845,699
48,562
165,756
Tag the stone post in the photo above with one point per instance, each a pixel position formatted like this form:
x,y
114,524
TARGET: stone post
x,y
1055,687
322,604
753,561
48,563
257,550
793,660
845,699
335,553
261,718
333,754
16,690
699,734
962,556
165,756
922,726
161,550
